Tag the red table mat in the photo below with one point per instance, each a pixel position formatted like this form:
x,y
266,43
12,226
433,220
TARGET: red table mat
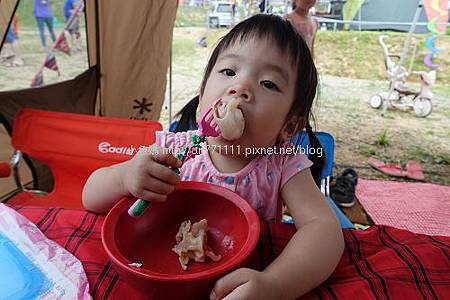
x,y
379,263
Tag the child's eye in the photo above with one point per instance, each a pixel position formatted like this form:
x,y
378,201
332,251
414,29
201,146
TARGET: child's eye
x,y
227,72
269,85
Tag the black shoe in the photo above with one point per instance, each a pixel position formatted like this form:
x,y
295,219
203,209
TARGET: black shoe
x,y
343,192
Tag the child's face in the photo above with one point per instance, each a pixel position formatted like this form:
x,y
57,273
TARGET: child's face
x,y
263,80
305,4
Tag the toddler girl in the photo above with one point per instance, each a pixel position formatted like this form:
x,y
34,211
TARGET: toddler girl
x,y
266,69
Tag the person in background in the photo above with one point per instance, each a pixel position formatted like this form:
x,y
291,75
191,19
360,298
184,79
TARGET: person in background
x,y
13,59
69,8
262,6
302,21
44,17
234,12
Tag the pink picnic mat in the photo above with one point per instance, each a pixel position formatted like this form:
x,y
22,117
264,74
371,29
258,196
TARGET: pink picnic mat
x,y
418,207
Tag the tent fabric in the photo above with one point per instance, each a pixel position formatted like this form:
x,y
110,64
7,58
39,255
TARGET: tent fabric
x,y
133,54
7,8
130,42
76,96
351,7
389,11
75,145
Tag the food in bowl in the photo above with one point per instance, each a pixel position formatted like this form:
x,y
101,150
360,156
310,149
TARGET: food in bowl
x,y
192,243
135,265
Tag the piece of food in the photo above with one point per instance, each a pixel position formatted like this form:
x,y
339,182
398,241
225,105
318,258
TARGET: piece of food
x,y
192,243
229,118
135,265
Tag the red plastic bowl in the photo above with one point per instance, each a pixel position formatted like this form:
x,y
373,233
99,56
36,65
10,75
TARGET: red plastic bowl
x,y
150,238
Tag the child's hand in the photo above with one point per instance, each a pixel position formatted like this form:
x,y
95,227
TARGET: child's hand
x,y
147,175
246,284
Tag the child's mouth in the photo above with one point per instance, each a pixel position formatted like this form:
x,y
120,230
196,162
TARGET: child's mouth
x,y
229,118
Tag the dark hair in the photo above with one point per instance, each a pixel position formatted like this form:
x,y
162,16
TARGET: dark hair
x,y
286,38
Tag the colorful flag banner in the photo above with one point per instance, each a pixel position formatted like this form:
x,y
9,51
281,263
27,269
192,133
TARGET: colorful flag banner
x,y
50,62
62,44
38,79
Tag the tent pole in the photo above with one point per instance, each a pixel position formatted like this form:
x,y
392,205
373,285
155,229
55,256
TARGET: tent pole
x,y
409,36
404,52
411,63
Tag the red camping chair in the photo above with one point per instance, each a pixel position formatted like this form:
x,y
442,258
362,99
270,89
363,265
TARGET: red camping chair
x,y
73,146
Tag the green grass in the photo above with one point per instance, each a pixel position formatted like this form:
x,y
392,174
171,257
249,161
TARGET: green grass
x,y
188,16
382,139
183,46
357,54
426,157
25,13
351,54
32,54
442,89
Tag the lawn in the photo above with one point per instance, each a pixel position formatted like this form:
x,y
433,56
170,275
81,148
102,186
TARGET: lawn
x,y
33,55
351,71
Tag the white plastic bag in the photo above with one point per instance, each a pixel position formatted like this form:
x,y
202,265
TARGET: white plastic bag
x,y
34,267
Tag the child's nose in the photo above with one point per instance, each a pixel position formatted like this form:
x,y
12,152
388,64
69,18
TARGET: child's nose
x,y
240,91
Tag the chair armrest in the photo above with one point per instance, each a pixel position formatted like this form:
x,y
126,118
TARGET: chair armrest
x,y
325,186
15,163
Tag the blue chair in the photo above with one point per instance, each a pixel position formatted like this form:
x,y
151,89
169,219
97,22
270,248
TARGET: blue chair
x,y
327,142
174,124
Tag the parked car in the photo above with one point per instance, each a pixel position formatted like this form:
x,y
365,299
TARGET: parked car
x,y
221,15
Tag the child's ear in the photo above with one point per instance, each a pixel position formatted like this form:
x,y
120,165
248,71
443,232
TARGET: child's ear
x,y
290,128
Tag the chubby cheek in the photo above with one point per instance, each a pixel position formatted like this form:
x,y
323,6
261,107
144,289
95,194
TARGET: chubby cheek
x,y
265,128
271,131
201,109
213,90
204,103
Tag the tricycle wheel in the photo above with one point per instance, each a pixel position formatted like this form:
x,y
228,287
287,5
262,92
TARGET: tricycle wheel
x,y
376,101
423,107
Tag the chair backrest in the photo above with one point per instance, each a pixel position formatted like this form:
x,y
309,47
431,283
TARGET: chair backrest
x,y
326,140
73,96
174,125
74,145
